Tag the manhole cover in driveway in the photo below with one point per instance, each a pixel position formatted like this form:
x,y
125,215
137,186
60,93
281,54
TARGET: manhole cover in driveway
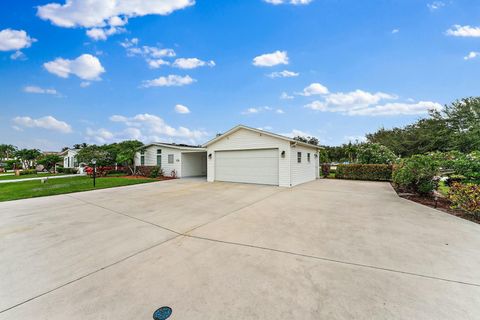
x,y
162,313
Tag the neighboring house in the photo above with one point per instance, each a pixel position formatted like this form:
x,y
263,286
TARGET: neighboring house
x,y
242,154
174,159
249,155
70,158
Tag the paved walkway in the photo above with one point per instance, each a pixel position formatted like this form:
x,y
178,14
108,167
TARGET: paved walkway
x,y
40,178
329,249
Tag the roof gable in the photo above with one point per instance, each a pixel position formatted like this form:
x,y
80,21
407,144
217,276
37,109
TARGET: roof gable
x,y
274,135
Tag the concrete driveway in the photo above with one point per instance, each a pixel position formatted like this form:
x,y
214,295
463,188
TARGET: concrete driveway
x,y
323,250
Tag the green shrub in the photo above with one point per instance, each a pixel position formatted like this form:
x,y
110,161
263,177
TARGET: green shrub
x,y
12,164
466,197
416,174
326,169
374,153
149,171
28,171
67,170
369,172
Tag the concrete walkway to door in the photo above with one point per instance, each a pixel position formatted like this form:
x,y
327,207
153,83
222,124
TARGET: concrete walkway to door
x,y
328,249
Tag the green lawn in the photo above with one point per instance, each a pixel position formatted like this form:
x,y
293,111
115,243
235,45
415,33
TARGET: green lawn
x,y
40,175
30,189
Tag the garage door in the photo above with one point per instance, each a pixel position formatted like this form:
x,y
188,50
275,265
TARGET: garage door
x,y
247,166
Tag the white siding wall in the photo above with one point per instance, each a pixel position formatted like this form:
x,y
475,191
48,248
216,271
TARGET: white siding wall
x,y
304,171
71,154
151,159
194,164
246,139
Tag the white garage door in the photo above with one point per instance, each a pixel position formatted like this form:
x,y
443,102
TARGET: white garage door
x,y
247,166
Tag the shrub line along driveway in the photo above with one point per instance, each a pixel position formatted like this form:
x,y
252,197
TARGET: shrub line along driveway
x,y
221,251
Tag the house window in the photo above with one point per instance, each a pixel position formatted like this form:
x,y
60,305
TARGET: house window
x,y
170,158
299,157
308,157
142,157
68,162
159,157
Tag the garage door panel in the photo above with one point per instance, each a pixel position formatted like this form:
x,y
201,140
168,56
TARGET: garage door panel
x,y
247,166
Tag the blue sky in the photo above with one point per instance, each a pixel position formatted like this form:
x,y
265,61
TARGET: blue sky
x,y
184,70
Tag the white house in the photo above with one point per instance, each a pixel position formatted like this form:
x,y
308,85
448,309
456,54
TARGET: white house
x,y
249,155
180,160
242,154
70,158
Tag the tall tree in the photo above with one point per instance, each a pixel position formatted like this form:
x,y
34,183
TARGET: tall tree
x,y
7,151
28,157
100,153
49,161
126,153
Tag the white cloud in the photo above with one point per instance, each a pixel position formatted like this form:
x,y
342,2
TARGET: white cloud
x,y
48,122
262,109
85,84
18,55
147,127
103,33
192,63
286,96
471,55
392,109
362,103
435,5
154,56
463,31
314,89
295,133
36,89
294,2
157,63
283,74
179,108
105,15
394,31
14,40
86,67
169,81
101,135
271,59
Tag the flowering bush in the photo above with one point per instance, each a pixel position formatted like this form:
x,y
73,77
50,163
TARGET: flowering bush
x,y
466,197
416,174
326,169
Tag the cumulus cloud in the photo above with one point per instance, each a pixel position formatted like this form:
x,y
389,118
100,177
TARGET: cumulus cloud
x,y
39,90
179,108
48,122
463,31
283,74
314,89
192,63
293,2
86,67
14,40
271,59
105,17
471,55
18,55
262,109
169,81
295,133
362,103
146,127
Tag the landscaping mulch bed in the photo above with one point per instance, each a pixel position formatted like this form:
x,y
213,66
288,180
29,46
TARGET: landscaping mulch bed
x,y
442,204
141,177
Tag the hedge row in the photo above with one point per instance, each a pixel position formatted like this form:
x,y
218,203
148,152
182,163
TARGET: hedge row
x,y
149,171
370,172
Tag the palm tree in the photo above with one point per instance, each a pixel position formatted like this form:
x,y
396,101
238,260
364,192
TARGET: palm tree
x,y
7,151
